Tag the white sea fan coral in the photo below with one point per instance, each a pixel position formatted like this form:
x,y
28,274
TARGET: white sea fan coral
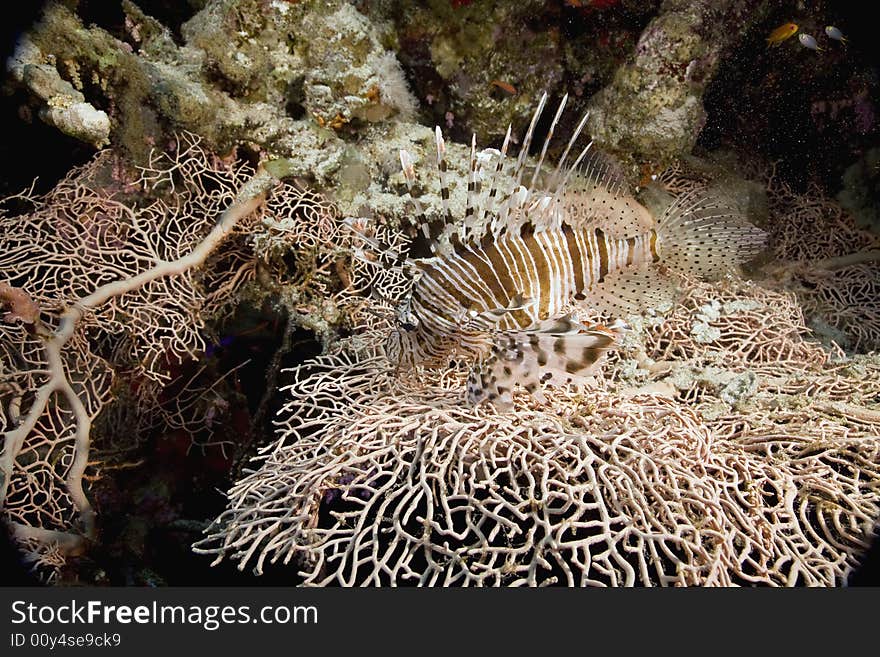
x,y
821,255
381,478
833,266
111,263
741,453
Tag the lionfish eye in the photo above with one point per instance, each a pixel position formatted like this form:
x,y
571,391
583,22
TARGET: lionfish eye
x,y
408,326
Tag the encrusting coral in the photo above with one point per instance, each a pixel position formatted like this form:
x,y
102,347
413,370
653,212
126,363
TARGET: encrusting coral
x,y
280,76
382,478
722,444
653,110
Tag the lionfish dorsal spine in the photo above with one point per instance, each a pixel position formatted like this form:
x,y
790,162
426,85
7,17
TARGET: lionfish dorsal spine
x,y
409,176
547,141
571,142
527,140
444,179
489,208
471,223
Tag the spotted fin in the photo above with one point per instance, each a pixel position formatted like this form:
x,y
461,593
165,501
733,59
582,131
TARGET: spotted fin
x,y
701,235
588,203
597,195
633,292
532,358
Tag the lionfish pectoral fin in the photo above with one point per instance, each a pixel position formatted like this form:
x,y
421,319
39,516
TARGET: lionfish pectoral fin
x,y
633,292
564,324
530,359
518,302
490,318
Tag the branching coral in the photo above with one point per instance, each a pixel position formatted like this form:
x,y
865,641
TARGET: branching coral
x,y
116,284
722,446
384,481
729,326
380,477
832,265
819,252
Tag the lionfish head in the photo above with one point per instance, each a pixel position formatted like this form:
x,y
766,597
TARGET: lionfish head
x,y
401,347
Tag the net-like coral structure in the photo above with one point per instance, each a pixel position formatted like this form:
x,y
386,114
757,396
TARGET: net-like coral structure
x,y
722,446
831,264
110,273
819,252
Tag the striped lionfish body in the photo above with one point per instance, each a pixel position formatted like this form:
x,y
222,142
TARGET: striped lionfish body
x,y
523,258
528,278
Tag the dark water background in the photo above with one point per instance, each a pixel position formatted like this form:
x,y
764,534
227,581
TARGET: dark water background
x,y
745,113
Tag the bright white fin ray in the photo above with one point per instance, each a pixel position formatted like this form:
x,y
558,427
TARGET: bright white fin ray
x,y
489,319
441,168
409,175
491,196
498,202
571,142
593,193
527,141
473,191
547,141
702,236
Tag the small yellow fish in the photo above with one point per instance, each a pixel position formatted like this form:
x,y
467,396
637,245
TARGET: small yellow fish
x,y
781,33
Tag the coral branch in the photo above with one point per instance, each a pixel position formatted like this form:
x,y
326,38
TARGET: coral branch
x,y
856,258
59,348
195,258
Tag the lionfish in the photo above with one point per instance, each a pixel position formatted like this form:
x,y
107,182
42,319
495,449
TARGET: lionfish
x,y
504,281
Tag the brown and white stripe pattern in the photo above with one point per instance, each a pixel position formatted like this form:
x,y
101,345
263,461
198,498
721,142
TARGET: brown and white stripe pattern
x,y
530,247
459,297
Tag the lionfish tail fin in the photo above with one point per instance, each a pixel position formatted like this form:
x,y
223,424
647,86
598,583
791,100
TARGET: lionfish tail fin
x,y
699,234
532,358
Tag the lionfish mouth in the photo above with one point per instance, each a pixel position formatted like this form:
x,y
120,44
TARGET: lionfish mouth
x,y
503,276
400,349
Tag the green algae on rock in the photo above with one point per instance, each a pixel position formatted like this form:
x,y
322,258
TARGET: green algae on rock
x,y
652,111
